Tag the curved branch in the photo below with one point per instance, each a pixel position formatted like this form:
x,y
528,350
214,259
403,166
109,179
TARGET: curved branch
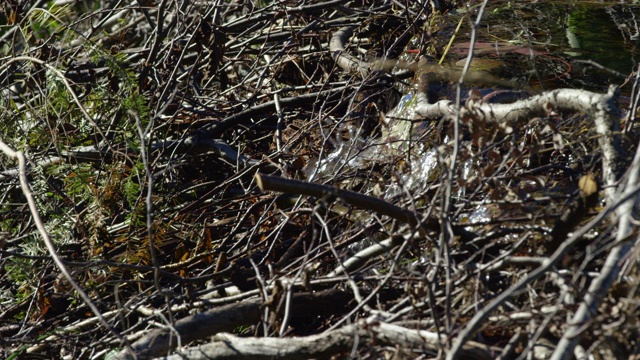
x,y
602,108
340,55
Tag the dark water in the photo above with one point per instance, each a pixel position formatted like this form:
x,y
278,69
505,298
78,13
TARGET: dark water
x,y
564,35
608,35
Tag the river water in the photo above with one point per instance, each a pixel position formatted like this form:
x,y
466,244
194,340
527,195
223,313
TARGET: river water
x,y
557,43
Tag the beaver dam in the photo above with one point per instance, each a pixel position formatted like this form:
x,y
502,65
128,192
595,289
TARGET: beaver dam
x,y
332,179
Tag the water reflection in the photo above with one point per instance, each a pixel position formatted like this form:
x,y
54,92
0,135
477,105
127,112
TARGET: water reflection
x,y
607,34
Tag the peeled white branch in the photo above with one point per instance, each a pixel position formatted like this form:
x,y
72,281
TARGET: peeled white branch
x,y
335,342
604,112
601,108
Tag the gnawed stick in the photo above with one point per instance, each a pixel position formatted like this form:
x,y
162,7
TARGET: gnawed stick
x,y
275,183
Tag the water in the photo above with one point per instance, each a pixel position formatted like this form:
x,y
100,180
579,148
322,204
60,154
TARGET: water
x,y
561,36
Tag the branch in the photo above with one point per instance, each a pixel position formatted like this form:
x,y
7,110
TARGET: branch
x,y
340,54
228,346
370,252
602,108
274,183
228,318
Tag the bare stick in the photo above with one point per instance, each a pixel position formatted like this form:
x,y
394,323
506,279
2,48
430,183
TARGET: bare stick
x,y
274,183
341,56
602,109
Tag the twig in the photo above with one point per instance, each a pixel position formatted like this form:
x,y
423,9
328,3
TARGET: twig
x,y
601,107
364,255
342,57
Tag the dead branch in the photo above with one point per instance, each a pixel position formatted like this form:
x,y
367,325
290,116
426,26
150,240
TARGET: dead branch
x,y
227,318
602,108
273,183
337,46
228,346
